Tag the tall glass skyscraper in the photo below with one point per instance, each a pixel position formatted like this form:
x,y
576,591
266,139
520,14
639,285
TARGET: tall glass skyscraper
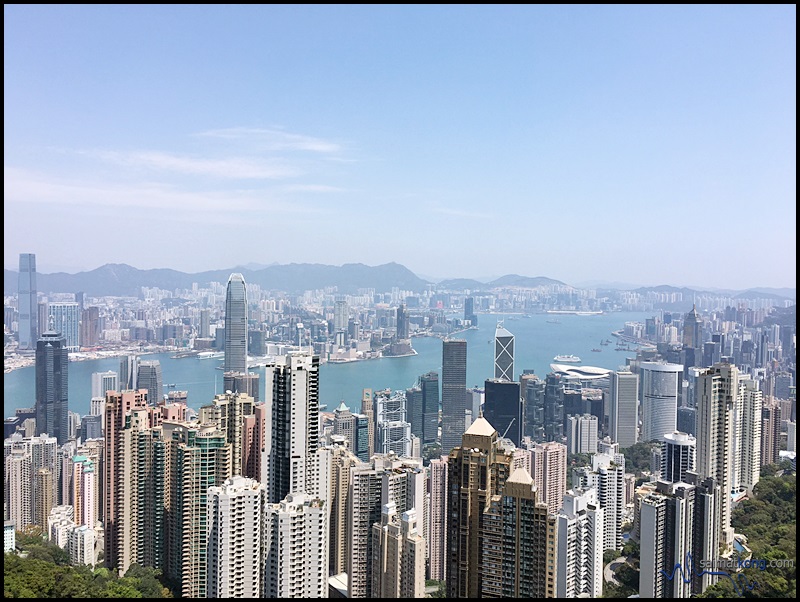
x,y
148,376
503,356
454,392
236,325
52,375
27,305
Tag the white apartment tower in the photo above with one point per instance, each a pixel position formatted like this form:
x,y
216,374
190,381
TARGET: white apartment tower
x,y
582,434
296,548
235,522
607,477
580,546
748,433
102,382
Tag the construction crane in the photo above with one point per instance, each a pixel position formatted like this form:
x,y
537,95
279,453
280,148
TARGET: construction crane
x,y
508,427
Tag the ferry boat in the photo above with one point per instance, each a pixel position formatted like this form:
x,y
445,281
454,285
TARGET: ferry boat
x,y
567,359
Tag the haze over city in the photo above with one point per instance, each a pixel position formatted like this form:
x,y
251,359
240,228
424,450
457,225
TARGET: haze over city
x,y
649,145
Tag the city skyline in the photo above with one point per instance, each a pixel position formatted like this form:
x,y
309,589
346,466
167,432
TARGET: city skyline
x,y
587,135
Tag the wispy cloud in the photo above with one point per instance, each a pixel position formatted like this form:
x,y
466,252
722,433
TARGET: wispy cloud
x,y
239,168
462,213
23,186
275,139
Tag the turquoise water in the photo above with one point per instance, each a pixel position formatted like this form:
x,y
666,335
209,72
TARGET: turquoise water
x,y
536,341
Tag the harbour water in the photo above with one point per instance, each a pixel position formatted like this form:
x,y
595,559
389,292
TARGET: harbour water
x,y
538,338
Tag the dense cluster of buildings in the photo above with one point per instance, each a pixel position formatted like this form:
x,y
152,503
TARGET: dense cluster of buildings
x,y
272,497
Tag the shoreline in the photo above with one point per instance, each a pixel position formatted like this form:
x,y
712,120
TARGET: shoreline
x,y
11,363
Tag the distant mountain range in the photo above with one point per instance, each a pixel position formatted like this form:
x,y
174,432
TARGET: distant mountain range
x,y
126,281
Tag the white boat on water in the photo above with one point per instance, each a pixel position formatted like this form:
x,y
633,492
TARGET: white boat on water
x,y
207,355
567,359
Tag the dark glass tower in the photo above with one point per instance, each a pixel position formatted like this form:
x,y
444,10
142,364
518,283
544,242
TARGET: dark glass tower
x,y
402,322
52,375
469,311
503,408
454,392
28,306
236,325
429,383
148,376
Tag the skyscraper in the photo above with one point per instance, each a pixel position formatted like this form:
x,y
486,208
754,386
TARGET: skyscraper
x,y
292,385
549,462
454,391
437,529
27,303
236,540
236,325
128,371
228,412
398,555
402,322
503,354
199,458
104,381
667,518
385,479
90,327
148,376
580,546
693,330
469,311
518,551
297,548
429,383
477,470
393,431
716,400
624,411
503,408
661,385
66,318
582,434
118,486
607,476
414,410
677,456
243,382
52,376
748,433
204,331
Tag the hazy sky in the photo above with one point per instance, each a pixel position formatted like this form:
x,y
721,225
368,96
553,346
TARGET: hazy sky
x,y
653,145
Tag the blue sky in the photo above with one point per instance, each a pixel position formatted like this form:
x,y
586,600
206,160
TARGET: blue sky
x,y
651,145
